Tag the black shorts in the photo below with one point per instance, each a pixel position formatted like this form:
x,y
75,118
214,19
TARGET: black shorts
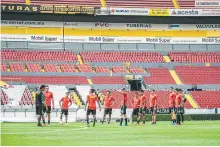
x,y
64,111
136,111
177,110
123,109
143,110
153,111
48,110
108,111
182,110
39,110
89,111
171,110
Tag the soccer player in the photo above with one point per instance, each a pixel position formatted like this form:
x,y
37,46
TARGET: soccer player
x,y
182,107
177,105
40,101
153,105
172,97
124,107
66,103
108,101
143,106
91,102
136,107
49,99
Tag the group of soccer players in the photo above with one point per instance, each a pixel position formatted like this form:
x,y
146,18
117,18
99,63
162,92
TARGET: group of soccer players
x,y
176,106
44,99
45,102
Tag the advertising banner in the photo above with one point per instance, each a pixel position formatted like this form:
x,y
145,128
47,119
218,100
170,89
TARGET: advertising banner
x,y
194,12
110,39
159,12
207,3
60,9
104,25
129,11
200,111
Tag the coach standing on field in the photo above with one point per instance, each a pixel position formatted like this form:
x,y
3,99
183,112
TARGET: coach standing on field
x,y
40,100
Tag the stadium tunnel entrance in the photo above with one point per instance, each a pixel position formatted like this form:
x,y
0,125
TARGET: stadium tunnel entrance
x,y
136,82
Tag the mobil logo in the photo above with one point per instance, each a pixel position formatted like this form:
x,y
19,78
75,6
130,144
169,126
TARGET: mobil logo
x,y
100,24
37,37
122,11
95,38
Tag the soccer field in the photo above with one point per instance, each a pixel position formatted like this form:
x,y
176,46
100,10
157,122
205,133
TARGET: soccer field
x,y
191,133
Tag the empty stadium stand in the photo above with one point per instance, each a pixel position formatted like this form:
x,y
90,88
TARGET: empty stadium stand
x,y
51,68
207,99
195,57
159,76
37,55
136,70
118,69
84,68
121,56
199,74
32,67
102,69
67,68
17,67
3,67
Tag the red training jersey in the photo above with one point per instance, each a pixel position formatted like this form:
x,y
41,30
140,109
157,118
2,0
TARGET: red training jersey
x,y
108,101
92,99
153,99
172,98
136,102
178,100
143,101
125,98
48,98
65,102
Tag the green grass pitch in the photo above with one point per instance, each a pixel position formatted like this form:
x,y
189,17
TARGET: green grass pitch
x,y
75,134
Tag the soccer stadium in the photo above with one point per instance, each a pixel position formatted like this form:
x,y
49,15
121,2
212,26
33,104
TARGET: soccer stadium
x,y
110,73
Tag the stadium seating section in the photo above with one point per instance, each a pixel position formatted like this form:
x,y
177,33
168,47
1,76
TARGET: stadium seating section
x,y
207,99
32,67
195,57
38,55
199,75
122,57
159,76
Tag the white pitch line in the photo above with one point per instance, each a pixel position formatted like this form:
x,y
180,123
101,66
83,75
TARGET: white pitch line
x,y
55,131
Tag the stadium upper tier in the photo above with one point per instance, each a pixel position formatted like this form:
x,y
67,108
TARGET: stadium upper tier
x,y
114,3
108,32
69,56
